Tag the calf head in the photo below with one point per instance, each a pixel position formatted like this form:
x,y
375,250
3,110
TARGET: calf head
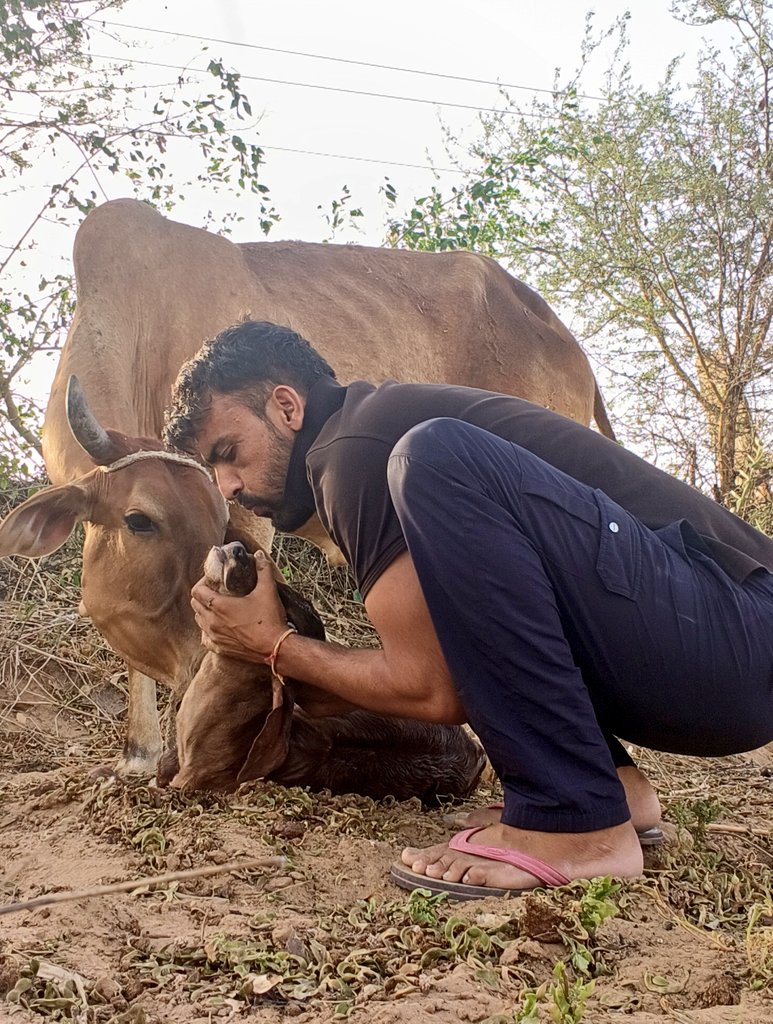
x,y
235,720
149,518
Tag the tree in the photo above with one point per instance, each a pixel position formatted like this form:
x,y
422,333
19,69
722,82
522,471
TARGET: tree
x,y
650,215
66,112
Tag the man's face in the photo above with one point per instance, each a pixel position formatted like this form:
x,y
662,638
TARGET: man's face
x,y
250,454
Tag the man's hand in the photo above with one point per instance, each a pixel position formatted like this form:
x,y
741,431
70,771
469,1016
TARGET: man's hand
x,y
241,627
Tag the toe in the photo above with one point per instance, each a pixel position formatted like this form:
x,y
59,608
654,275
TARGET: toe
x,y
450,867
414,859
456,871
427,855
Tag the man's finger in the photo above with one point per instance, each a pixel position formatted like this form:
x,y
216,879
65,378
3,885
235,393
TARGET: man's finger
x,y
200,592
210,644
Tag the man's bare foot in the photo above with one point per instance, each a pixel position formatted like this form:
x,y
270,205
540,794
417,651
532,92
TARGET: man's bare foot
x,y
609,851
642,800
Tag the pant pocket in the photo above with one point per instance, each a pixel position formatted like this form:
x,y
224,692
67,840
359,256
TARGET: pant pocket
x,y
562,521
619,559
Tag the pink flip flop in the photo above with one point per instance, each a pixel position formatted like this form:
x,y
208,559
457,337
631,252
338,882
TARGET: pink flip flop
x,y
647,836
547,875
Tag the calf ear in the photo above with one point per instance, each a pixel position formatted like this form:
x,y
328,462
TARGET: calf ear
x,y
43,522
269,748
301,613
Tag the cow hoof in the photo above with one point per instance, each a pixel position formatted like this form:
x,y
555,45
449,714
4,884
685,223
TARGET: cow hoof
x,y
168,767
137,763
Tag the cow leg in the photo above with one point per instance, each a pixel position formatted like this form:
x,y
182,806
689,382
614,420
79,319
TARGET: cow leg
x,y
142,748
169,764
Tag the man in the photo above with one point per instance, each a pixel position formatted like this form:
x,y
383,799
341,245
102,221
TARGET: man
x,y
524,574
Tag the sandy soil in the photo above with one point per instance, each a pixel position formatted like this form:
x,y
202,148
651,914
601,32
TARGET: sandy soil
x,y
327,936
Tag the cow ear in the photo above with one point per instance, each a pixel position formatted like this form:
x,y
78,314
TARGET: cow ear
x,y
43,522
269,748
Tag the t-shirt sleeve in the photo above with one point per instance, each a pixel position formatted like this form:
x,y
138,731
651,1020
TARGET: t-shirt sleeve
x,y
349,480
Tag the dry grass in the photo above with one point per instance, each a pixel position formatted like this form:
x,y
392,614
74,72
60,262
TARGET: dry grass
x,y
331,590
55,706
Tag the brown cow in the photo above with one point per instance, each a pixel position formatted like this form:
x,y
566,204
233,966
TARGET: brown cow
x,y
150,291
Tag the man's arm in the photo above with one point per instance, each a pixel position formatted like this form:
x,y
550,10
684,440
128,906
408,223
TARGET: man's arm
x,y
407,677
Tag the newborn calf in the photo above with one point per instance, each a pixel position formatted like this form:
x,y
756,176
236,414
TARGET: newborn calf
x,y
238,722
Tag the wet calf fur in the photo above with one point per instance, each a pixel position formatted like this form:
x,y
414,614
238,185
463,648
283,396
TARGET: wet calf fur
x,y
238,722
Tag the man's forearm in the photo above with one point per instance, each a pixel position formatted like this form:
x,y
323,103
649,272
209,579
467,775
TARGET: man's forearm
x,y
360,677
407,676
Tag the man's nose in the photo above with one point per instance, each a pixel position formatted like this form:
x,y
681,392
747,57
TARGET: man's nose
x,y
228,483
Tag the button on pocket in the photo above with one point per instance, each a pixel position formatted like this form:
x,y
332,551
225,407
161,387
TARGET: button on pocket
x,y
619,561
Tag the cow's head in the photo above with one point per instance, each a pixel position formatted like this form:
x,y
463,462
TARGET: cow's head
x,y
150,517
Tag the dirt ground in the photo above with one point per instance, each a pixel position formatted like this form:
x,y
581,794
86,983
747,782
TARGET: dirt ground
x,y
326,936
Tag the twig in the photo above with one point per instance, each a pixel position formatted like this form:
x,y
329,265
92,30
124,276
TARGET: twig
x,y
136,883
739,830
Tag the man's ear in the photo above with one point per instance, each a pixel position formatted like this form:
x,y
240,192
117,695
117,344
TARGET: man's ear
x,y
290,404
43,522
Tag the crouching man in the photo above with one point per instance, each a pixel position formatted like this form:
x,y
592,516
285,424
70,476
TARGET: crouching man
x,y
524,574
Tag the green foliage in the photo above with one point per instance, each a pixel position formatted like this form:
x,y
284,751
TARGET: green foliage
x,y
695,815
596,903
649,215
372,946
87,123
560,1001
750,497
568,1000
341,214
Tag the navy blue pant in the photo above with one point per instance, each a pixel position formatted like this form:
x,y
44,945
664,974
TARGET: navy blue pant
x,y
566,623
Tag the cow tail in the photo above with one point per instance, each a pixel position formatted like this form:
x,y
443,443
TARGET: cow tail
x,y
600,414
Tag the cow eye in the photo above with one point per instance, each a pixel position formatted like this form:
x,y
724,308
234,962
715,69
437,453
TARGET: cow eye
x,y
138,522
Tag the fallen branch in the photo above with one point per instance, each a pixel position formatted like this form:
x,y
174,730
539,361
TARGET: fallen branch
x,y
138,883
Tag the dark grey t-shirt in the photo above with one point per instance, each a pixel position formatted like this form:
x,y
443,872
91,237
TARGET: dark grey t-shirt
x,y
349,434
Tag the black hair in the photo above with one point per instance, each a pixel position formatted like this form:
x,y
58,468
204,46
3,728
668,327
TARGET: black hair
x,y
248,359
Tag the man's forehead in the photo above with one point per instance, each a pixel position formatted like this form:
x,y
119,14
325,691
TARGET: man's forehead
x,y
220,415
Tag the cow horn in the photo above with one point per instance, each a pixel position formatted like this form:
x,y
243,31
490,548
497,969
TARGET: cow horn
x,y
90,435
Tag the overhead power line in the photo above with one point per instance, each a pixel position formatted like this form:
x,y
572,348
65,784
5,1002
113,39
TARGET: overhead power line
x,y
290,149
324,88
365,159
342,60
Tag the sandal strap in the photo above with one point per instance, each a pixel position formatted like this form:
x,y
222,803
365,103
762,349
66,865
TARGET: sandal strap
x,y
544,872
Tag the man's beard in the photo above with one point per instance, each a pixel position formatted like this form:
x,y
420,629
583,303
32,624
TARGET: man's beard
x,y
271,503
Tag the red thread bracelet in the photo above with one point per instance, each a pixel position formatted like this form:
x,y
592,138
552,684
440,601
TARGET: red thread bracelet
x,y
271,659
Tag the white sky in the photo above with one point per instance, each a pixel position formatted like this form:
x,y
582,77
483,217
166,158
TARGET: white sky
x,y
506,41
